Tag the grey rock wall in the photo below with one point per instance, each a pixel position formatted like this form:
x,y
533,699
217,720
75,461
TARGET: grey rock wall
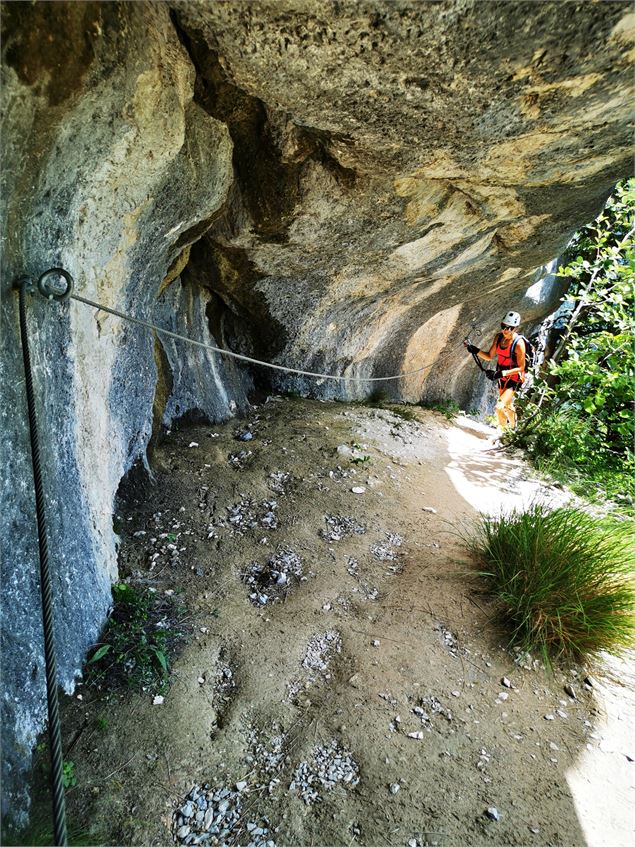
x,y
331,186
108,177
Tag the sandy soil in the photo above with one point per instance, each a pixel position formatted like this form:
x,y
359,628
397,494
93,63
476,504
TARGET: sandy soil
x,y
343,667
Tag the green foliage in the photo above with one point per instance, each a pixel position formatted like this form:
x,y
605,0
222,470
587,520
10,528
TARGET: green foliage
x,y
136,643
448,408
360,460
68,774
580,413
565,581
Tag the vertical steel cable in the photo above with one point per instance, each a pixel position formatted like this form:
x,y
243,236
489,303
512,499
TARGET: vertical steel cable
x,y
57,778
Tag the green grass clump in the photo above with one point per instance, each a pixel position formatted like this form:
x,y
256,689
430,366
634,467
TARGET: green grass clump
x,y
565,580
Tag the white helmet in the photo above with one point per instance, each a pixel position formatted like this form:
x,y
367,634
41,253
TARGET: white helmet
x,y
511,319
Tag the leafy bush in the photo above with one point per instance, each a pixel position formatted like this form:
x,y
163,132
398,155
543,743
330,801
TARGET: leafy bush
x,y
136,642
565,581
579,416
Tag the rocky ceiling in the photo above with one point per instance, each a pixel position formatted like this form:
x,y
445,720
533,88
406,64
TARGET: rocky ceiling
x,y
336,186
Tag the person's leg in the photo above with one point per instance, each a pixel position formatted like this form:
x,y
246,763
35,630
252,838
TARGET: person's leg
x,y
505,412
501,417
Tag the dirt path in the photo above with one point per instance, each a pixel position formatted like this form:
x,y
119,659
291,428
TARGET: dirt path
x,y
344,683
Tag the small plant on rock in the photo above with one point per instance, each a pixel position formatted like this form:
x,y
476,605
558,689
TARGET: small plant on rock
x,y
565,580
68,774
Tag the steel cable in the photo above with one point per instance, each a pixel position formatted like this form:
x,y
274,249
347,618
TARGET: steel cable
x,y
239,356
57,764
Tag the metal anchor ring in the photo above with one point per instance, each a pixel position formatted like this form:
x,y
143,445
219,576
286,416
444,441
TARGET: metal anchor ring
x,y
50,286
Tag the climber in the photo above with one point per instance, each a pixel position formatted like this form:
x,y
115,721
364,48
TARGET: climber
x,y
509,348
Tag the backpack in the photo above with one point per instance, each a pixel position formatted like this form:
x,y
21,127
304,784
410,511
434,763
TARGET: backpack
x,y
530,352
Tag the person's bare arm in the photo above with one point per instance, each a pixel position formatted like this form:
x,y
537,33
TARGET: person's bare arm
x,y
490,353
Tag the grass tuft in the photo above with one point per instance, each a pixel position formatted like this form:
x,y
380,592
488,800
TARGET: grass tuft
x,y
447,407
565,581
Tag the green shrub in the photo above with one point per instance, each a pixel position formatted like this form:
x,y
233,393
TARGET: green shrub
x,y
136,642
565,581
571,449
578,417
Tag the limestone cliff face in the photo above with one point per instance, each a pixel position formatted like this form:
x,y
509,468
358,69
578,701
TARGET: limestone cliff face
x,y
111,170
332,186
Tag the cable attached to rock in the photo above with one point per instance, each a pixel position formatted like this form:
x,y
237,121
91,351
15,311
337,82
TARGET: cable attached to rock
x,y
57,764
239,356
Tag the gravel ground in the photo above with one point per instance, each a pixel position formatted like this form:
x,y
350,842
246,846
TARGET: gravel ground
x,y
344,683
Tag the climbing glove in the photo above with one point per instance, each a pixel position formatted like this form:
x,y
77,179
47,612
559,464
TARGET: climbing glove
x,y
493,375
472,348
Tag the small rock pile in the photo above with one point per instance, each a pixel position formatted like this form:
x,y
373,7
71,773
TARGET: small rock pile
x,y
368,591
386,552
320,649
224,685
268,582
278,480
267,756
338,526
428,708
449,640
248,515
330,764
212,817
352,566
164,547
241,459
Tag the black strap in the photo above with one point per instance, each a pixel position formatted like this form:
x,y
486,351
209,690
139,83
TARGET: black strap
x,y
478,361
